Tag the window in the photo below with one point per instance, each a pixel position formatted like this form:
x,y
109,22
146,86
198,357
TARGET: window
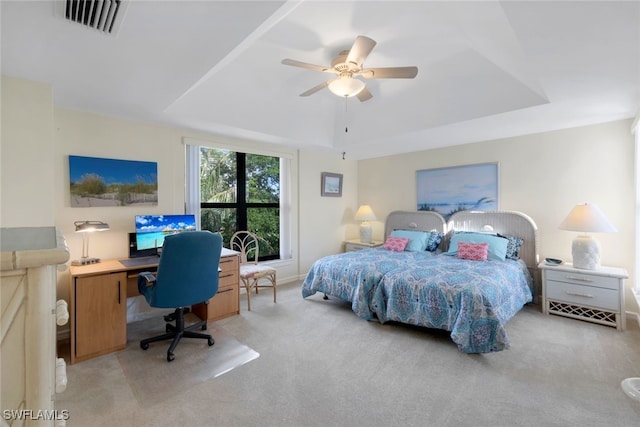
x,y
230,190
240,191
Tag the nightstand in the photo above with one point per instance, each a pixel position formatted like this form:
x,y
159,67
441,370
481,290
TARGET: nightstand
x,y
356,245
592,295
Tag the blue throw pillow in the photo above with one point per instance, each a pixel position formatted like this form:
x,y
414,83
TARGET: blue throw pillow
x,y
497,245
417,239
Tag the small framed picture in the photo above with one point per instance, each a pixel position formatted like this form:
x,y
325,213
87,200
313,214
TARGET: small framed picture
x,y
331,184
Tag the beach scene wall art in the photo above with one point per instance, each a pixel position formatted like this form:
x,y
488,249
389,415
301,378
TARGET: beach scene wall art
x,y
452,189
95,181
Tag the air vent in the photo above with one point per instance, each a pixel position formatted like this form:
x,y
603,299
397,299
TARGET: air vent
x,y
101,15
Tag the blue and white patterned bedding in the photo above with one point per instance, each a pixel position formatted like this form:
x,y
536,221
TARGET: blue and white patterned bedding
x,y
472,299
354,276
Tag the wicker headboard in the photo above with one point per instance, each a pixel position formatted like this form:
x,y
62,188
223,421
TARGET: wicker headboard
x,y
506,222
416,220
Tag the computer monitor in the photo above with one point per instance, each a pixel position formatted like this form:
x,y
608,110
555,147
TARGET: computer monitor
x,y
152,229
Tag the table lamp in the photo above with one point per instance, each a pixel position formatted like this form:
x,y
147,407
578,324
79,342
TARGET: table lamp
x,y
86,228
365,214
585,250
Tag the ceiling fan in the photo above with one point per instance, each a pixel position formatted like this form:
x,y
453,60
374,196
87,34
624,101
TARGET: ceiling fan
x,y
347,66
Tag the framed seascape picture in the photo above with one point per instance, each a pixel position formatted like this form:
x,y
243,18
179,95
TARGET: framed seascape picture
x,y
95,181
452,189
331,184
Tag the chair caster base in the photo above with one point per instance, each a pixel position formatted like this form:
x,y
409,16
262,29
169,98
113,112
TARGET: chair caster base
x,y
170,357
211,341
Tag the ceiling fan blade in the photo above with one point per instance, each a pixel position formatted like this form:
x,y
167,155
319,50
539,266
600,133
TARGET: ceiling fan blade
x,y
364,95
361,48
307,66
389,73
316,88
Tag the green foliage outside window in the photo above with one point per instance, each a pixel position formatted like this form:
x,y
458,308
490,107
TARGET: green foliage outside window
x,y
222,207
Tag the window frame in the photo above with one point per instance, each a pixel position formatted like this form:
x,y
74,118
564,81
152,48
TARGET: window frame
x,y
288,184
241,205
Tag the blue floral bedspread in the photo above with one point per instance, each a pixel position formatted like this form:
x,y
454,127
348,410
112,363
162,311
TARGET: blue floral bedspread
x,y
474,300
354,276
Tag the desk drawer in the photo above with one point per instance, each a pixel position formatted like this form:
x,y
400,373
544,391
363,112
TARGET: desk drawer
x,y
229,273
224,304
228,279
229,263
584,295
583,279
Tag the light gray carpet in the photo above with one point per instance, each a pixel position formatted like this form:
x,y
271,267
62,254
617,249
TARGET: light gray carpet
x,y
320,365
148,372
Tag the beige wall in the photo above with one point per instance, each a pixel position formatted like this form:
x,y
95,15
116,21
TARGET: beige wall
x,y
325,221
542,175
26,150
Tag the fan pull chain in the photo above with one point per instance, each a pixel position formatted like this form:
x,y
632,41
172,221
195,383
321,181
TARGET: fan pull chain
x,y
346,128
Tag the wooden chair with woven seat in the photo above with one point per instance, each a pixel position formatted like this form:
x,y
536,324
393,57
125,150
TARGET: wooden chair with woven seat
x,y
252,274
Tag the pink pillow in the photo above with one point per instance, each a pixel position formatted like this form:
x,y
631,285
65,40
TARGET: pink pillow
x,y
473,251
396,243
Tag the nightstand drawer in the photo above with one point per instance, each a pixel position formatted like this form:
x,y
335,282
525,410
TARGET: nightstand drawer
x,y
348,247
584,279
583,295
356,245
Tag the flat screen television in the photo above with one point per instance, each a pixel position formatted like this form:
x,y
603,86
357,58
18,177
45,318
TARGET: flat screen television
x,y
152,229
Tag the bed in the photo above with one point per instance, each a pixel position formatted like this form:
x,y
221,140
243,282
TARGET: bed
x,y
354,276
471,299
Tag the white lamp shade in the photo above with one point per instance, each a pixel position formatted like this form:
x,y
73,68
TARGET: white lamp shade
x,y
365,213
587,218
346,86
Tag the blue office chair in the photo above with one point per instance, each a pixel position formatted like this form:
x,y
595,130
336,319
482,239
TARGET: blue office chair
x,y
187,274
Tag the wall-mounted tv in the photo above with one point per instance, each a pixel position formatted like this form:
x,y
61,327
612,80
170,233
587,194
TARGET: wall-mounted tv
x,y
152,229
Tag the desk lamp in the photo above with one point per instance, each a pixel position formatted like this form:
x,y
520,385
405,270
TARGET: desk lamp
x,y
586,219
365,214
86,228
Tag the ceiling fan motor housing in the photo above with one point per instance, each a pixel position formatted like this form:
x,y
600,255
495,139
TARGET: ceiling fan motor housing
x,y
341,65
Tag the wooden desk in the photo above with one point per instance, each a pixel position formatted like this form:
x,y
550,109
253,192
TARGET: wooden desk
x,y
98,306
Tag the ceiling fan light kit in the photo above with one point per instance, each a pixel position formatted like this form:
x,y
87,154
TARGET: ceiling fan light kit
x,y
347,66
346,87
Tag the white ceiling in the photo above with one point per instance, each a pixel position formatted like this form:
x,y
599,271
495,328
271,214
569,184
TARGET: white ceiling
x,y
487,69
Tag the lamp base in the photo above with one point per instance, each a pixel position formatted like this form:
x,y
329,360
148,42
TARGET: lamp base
x,y
586,253
85,261
365,233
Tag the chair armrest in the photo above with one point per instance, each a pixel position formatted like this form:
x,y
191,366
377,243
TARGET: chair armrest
x,y
148,277
145,280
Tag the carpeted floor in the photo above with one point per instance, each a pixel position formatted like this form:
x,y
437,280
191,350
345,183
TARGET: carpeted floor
x,y
320,365
148,372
